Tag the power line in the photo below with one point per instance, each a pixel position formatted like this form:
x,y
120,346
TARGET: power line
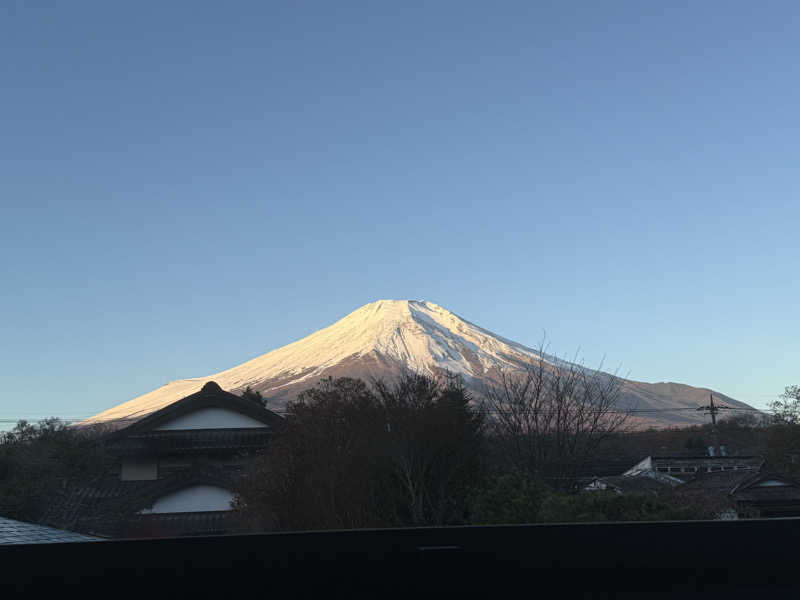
x,y
478,410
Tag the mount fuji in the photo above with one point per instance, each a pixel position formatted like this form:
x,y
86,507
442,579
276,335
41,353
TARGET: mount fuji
x,y
384,338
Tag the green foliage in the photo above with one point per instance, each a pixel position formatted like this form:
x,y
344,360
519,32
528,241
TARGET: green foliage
x,y
509,498
37,461
516,498
597,506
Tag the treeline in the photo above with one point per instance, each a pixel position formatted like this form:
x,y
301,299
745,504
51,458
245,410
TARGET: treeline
x,y
419,452
39,462
517,498
352,455
740,433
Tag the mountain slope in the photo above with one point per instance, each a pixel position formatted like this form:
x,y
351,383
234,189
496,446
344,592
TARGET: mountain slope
x,y
381,339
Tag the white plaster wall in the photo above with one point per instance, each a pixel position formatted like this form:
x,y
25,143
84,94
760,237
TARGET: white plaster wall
x,y
770,483
212,418
198,498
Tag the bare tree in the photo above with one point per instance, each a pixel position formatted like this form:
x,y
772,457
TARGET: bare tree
x,y
786,410
780,440
403,452
434,440
551,417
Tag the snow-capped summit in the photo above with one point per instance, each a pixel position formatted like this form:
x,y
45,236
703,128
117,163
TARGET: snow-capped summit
x,y
419,334
378,339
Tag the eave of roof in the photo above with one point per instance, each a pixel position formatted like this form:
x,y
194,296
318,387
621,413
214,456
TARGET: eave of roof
x,y
19,532
192,440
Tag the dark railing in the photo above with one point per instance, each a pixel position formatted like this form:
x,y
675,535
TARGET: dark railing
x,y
735,559
201,440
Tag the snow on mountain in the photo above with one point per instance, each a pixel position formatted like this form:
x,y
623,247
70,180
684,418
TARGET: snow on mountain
x,y
420,335
377,339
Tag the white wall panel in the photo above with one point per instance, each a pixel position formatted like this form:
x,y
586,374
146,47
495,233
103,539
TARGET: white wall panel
x,y
197,498
212,418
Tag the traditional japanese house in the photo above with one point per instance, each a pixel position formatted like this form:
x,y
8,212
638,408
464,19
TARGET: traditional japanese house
x,y
175,469
686,467
636,484
750,493
741,486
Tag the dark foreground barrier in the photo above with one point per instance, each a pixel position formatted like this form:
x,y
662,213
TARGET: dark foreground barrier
x,y
725,559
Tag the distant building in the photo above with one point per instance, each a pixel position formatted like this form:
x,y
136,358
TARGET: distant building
x,y
741,484
175,469
750,493
686,467
636,484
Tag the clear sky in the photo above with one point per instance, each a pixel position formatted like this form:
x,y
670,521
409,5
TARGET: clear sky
x,y
188,185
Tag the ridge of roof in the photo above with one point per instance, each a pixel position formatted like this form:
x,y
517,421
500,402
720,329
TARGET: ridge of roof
x,y
211,394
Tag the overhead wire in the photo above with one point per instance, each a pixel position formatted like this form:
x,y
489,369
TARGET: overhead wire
x,y
486,410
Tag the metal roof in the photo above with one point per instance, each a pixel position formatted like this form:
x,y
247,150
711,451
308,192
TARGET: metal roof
x,y
636,484
19,532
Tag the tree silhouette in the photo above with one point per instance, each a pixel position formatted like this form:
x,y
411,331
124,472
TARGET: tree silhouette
x,y
254,396
353,455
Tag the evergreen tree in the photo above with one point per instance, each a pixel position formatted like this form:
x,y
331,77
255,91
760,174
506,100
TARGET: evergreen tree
x,y
254,396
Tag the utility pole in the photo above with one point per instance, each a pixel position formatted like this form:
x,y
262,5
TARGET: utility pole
x,y
713,409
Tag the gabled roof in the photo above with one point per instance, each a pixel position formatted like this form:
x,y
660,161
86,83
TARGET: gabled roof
x,y
752,489
738,482
102,507
678,464
724,482
210,396
705,457
19,532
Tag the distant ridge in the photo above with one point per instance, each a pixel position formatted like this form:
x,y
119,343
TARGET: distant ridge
x,y
387,336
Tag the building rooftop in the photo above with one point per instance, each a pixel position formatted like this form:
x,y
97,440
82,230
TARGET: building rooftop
x,y
706,457
19,532
639,484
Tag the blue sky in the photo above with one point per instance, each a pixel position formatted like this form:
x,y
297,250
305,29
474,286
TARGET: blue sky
x,y
187,185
